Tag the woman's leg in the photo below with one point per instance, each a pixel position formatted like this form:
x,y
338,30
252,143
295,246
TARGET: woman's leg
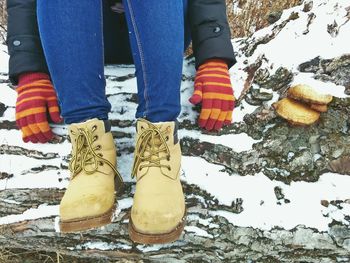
x,y
157,42
71,34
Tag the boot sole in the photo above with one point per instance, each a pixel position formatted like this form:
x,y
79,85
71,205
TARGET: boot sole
x,y
142,238
87,223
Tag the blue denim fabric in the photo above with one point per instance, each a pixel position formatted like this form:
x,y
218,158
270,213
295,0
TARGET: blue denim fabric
x,y
72,38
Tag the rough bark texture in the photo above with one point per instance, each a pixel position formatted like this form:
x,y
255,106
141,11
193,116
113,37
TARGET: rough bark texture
x,y
283,153
223,241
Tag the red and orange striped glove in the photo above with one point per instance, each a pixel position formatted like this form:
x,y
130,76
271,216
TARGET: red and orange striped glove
x,y
35,95
213,88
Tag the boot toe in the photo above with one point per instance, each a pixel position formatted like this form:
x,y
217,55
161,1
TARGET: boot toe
x,y
86,205
157,220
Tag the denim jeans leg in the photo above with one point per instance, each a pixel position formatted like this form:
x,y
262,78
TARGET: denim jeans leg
x,y
157,43
72,39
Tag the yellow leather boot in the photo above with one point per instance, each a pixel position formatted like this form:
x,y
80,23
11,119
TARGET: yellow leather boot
x,y
89,199
158,211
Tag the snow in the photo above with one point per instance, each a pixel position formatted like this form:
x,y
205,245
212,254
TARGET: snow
x,y
33,213
238,142
204,222
292,47
198,231
14,138
8,96
320,86
45,179
258,196
102,246
150,248
4,58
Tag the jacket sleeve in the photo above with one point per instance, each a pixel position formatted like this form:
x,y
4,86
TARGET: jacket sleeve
x,y
23,41
211,37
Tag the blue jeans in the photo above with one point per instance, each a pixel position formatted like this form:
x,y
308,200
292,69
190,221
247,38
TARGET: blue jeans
x,y
72,38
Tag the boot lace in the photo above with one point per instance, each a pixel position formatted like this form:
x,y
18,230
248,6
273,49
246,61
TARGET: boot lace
x,y
151,142
84,158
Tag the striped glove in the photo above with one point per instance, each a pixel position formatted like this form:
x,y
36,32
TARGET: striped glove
x,y
35,95
213,88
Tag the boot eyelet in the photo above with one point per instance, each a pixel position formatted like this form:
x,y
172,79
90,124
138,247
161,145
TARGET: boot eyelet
x,y
94,127
167,138
168,158
101,163
95,138
98,147
169,168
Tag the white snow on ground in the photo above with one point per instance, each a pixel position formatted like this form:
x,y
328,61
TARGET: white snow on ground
x,y
4,58
198,231
292,47
238,142
45,179
34,213
13,137
9,96
320,86
204,222
261,208
101,246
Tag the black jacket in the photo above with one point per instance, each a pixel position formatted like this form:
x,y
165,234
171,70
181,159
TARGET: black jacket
x,y
209,29
211,37
23,41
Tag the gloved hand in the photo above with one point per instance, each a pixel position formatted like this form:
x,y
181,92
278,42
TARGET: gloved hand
x,y
35,95
213,88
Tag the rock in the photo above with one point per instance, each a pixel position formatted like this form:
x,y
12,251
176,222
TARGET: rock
x,y
308,6
281,79
340,165
274,17
261,75
336,70
333,29
340,234
310,20
325,203
310,66
258,94
4,175
278,192
2,109
252,101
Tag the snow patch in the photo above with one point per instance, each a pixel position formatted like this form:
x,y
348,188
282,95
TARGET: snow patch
x,y
43,211
257,193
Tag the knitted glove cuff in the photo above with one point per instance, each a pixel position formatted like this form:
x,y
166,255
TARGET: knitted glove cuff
x,y
214,60
29,77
